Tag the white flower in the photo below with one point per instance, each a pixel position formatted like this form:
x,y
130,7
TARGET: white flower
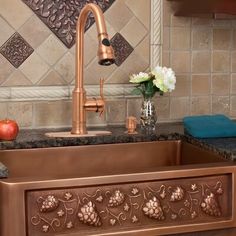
x,y
138,78
164,78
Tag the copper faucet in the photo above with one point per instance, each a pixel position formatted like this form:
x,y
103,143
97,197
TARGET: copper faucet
x,y
80,103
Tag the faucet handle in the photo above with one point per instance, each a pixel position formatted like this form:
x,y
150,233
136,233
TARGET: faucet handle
x,y
102,95
101,87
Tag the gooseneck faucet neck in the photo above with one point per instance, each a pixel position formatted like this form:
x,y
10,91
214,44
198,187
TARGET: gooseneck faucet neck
x,y
105,54
80,28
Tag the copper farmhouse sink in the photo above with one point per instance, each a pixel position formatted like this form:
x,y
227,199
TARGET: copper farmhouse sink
x,y
147,188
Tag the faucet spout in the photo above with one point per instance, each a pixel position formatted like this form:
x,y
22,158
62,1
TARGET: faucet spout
x,y
80,103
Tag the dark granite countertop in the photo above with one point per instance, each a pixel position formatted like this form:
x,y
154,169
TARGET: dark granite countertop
x,y
37,139
223,144
166,131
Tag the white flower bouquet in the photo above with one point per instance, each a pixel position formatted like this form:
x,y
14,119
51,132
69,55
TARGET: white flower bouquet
x,y
160,79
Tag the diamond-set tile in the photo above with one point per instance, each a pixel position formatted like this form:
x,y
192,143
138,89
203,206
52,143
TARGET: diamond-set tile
x,y
6,69
121,47
61,16
51,50
6,31
16,50
34,68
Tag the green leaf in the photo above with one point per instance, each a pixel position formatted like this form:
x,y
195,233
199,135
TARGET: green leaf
x,y
137,91
149,89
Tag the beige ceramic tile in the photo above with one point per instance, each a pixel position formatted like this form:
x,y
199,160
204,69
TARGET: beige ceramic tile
x,y
116,111
90,49
182,88
118,77
201,38
118,15
234,39
134,108
52,78
52,114
233,84
233,56
94,72
162,106
179,107
34,31
201,21
221,39
220,84
129,32
221,61
166,38
6,68
15,12
143,49
201,84
34,68
17,78
166,58
233,22
180,61
220,105
72,50
51,50
233,106
201,61
66,67
167,12
3,110
22,112
6,31
180,38
134,64
142,10
222,23
110,30
200,105
180,21
94,119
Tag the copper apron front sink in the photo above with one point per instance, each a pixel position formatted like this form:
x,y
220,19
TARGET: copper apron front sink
x,y
148,188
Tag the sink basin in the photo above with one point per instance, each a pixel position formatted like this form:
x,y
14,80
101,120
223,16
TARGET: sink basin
x,y
97,160
148,188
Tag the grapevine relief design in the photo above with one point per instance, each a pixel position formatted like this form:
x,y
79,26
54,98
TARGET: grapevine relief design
x,y
109,207
61,15
88,214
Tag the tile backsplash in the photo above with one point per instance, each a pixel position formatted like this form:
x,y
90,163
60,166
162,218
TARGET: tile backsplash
x,y
37,49
61,16
202,52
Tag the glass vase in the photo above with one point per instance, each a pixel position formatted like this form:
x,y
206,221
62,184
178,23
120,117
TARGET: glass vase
x,y
148,116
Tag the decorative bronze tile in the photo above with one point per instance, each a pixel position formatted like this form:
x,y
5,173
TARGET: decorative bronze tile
x,y
121,47
61,15
16,50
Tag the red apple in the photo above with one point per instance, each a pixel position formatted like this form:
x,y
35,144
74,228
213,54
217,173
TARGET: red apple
x,y
8,129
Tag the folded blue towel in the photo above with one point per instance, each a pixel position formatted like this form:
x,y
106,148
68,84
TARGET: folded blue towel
x,y
210,126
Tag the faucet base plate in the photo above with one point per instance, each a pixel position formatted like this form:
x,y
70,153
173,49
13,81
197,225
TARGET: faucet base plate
x,y
70,135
